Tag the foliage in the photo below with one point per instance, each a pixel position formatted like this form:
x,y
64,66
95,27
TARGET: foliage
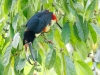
x,y
80,22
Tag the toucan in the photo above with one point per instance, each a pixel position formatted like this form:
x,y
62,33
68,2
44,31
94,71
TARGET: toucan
x,y
38,23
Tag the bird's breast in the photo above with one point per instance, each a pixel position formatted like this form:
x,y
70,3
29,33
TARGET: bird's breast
x,y
47,28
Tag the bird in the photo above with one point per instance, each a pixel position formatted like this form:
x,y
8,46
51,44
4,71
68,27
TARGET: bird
x,y
38,23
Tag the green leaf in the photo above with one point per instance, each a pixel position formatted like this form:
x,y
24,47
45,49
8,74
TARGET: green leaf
x,y
74,1
50,59
20,65
14,22
36,56
81,49
57,35
96,28
78,7
1,66
11,31
7,5
63,63
31,71
37,5
7,55
70,69
65,6
82,28
90,9
2,41
23,3
73,12
59,42
6,42
79,20
39,59
1,69
93,33
22,32
76,32
82,68
16,60
7,69
28,12
50,34
67,9
73,35
16,40
25,11
85,30
57,65
20,45
98,18
85,1
1,27
76,56
66,33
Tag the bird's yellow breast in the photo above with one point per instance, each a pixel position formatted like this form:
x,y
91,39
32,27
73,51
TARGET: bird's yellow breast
x,y
45,30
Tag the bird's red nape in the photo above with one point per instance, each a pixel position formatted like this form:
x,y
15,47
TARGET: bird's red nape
x,y
54,17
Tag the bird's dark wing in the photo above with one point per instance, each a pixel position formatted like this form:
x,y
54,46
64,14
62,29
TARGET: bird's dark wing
x,y
43,22
32,24
39,21
34,17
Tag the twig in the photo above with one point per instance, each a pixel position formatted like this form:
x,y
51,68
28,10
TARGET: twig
x,y
50,42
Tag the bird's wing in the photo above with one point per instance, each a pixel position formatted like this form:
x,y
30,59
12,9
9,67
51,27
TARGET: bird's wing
x,y
43,22
32,24
34,17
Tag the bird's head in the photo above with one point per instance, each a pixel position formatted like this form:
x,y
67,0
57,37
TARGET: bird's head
x,y
53,20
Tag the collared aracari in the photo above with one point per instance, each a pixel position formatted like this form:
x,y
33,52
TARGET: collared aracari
x,y
38,23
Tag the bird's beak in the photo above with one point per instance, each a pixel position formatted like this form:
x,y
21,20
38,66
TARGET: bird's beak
x,y
59,25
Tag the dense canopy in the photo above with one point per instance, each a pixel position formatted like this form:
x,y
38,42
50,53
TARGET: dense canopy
x,y
72,50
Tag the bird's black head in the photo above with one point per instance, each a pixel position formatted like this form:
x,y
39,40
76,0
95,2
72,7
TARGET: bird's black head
x,y
29,36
